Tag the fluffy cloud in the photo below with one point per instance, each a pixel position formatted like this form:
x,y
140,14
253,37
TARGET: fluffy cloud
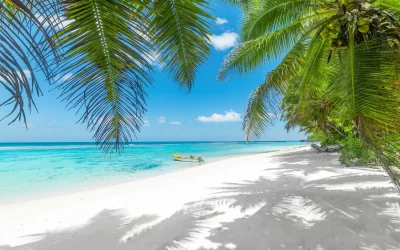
x,y
63,78
161,119
224,41
146,123
27,74
176,123
230,116
220,21
58,21
153,58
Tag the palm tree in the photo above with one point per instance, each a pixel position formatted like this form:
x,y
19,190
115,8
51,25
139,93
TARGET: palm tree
x,y
103,51
343,54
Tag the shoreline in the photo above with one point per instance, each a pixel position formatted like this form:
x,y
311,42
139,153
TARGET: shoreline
x,y
117,180
211,199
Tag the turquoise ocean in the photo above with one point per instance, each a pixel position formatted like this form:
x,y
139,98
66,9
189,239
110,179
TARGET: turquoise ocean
x,y
34,170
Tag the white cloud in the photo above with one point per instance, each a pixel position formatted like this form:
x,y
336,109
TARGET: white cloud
x,y
161,119
229,116
220,21
58,21
153,58
224,41
176,123
27,74
64,77
146,123
275,115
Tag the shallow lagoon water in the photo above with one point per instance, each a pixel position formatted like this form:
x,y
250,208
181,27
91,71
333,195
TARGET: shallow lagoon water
x,y
32,170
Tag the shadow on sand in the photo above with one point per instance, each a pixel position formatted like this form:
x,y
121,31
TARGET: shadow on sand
x,y
295,206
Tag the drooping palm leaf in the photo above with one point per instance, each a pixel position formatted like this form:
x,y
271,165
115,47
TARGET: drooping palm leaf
x,y
109,51
391,5
369,98
274,15
252,53
106,52
25,44
181,36
262,107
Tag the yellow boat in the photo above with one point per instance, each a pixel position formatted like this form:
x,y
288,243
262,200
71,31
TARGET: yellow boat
x,y
191,158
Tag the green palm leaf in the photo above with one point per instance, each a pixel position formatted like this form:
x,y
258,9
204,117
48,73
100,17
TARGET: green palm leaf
x,y
262,107
25,45
253,53
181,32
105,51
365,92
274,15
392,5
109,48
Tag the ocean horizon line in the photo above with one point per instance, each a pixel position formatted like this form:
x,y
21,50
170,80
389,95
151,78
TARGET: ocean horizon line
x,y
91,142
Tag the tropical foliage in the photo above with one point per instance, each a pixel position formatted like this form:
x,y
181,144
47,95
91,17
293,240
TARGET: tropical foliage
x,y
100,54
339,74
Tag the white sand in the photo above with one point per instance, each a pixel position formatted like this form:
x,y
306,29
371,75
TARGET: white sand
x,y
25,222
160,195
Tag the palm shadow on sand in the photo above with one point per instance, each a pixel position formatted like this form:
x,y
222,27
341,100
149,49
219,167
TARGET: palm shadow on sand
x,y
295,206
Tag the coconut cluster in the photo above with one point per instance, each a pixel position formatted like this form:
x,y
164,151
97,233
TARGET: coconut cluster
x,y
367,22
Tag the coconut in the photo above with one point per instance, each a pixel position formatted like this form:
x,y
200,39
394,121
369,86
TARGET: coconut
x,y
336,24
325,35
363,28
339,42
363,21
333,31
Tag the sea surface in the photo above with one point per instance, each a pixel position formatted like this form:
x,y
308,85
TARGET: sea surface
x,y
34,170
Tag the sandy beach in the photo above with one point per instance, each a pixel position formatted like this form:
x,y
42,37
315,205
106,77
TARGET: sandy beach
x,y
289,199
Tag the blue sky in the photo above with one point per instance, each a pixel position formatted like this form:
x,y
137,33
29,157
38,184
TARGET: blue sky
x,y
211,112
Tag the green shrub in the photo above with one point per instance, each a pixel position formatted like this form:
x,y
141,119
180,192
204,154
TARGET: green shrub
x,y
325,139
355,153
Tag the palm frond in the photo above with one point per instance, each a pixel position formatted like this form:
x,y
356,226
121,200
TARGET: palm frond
x,y
261,111
263,105
391,5
367,96
181,36
253,53
25,45
106,51
274,15
246,5
316,71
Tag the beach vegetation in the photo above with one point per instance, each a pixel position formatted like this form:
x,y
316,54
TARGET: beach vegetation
x,y
338,70
354,153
